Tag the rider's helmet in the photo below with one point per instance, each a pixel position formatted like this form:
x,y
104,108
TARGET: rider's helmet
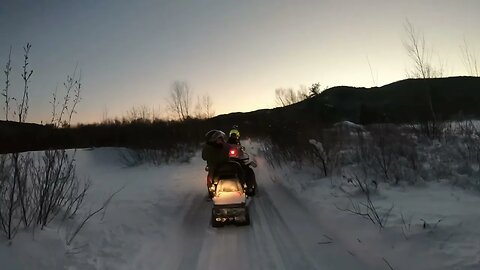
x,y
213,135
234,131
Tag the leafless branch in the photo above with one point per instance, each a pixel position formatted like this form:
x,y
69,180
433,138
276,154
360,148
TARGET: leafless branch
x,y
90,215
388,264
23,107
469,59
8,69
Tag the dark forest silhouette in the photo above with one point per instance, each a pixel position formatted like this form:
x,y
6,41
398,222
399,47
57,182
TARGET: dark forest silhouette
x,y
406,101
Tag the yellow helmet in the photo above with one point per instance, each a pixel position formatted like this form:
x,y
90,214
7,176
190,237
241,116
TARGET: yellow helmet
x,y
234,131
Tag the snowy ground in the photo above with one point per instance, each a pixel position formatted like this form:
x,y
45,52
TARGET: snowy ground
x,y
160,220
449,240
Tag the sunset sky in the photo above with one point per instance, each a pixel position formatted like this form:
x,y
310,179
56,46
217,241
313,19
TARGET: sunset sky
x,y
238,52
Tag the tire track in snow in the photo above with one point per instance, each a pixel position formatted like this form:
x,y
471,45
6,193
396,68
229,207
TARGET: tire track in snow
x,y
298,230
283,235
193,232
282,238
268,243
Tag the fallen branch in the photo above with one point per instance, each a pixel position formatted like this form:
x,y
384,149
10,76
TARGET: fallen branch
x,y
389,265
104,206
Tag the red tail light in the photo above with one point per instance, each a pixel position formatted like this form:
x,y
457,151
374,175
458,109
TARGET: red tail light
x,y
233,152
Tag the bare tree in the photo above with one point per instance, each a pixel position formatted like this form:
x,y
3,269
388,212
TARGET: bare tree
x,y
180,100
287,96
469,59
423,68
8,69
314,90
141,112
204,107
421,56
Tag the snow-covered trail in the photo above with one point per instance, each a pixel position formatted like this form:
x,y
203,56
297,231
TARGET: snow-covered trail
x,y
283,235
161,220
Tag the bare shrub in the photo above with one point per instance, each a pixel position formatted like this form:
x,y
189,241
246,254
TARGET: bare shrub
x,y
389,152
15,192
324,150
278,154
54,181
461,151
469,59
326,158
55,186
15,200
36,188
271,155
137,156
366,208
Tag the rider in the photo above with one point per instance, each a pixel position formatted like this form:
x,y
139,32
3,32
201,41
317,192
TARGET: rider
x,y
215,152
234,139
234,136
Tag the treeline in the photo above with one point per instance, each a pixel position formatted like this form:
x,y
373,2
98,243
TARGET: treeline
x,y
140,133
427,102
18,137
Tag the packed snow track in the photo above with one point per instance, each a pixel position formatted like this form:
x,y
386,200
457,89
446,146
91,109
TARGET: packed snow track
x,y
281,236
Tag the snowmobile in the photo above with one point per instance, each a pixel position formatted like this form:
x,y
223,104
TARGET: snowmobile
x,y
229,196
237,154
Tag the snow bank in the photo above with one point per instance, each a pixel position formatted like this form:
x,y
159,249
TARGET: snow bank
x,y
150,201
432,226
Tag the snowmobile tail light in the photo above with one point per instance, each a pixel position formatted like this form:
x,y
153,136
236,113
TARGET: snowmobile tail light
x,y
233,152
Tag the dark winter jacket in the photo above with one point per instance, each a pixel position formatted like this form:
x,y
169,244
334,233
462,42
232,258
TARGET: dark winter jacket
x,y
233,140
215,154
